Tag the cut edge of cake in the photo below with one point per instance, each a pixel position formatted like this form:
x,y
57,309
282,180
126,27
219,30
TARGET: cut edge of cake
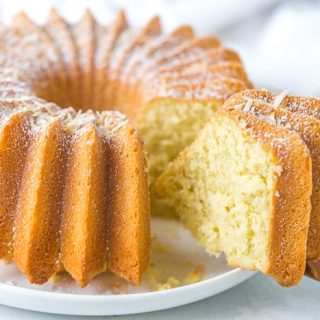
x,y
216,199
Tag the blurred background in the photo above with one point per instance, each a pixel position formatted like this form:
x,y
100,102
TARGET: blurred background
x,y
278,40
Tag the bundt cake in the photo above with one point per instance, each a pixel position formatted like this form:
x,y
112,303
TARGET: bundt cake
x,y
75,180
167,84
243,188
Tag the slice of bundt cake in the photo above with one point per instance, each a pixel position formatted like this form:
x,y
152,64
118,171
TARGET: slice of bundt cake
x,y
76,194
243,189
305,111
275,109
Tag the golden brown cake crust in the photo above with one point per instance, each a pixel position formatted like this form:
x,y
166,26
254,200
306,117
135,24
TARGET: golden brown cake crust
x,y
37,224
129,207
13,153
313,269
60,33
57,71
83,33
84,216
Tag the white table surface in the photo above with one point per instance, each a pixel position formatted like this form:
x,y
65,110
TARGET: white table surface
x,y
258,298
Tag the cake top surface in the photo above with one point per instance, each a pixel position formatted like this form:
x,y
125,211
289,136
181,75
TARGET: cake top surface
x,y
88,55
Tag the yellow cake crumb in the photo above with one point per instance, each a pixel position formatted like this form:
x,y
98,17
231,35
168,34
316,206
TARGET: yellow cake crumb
x,y
195,276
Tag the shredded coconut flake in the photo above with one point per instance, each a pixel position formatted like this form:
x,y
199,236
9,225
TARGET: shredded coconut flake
x,y
279,98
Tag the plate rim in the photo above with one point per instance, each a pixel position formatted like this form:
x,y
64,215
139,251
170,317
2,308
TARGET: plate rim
x,y
45,301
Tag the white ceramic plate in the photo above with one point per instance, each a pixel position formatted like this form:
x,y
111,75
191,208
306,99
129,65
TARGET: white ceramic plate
x,y
177,261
